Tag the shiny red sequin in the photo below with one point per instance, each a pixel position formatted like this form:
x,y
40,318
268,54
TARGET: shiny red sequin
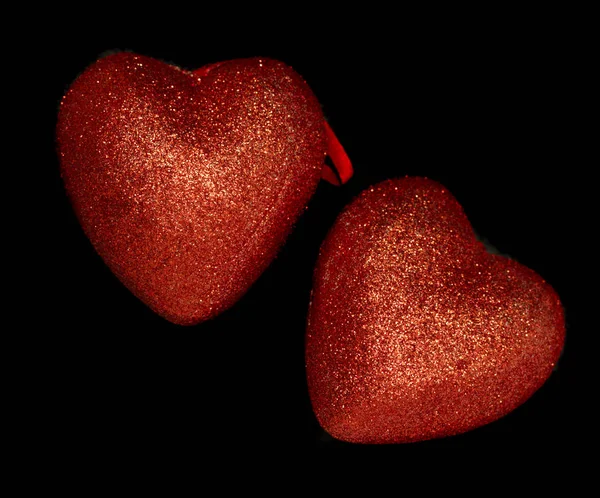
x,y
187,185
415,331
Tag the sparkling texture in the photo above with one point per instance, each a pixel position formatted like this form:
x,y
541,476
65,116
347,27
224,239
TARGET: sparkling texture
x,y
187,184
415,331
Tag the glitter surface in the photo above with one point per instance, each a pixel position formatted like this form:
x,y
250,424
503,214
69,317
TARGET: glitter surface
x,y
415,331
187,184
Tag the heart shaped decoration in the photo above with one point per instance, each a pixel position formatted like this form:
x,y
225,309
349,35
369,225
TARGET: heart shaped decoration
x,y
188,183
415,331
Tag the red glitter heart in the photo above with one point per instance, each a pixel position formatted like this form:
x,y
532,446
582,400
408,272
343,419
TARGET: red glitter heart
x,y
415,331
187,184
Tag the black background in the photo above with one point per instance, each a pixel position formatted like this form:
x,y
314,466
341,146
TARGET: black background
x,y
482,111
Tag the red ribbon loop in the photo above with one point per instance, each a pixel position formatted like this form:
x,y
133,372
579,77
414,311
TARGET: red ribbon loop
x,y
339,158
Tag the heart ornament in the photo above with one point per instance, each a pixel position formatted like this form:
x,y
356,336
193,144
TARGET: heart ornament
x,y
415,331
187,183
